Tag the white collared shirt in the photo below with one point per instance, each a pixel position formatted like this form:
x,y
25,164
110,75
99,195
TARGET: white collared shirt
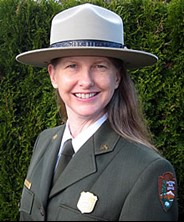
x,y
80,139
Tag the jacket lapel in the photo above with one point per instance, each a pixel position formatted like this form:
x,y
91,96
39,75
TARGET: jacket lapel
x,y
49,162
84,161
81,165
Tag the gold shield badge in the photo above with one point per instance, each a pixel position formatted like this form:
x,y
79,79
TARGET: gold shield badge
x,y
86,202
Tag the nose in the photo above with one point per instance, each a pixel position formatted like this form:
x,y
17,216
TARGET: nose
x,y
86,78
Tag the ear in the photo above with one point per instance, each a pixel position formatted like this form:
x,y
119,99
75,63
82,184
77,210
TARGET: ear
x,y
117,79
52,74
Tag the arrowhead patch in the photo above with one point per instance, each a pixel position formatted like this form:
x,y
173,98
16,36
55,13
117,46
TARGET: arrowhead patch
x,y
167,190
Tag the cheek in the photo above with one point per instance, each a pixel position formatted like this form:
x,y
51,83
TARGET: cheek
x,y
65,86
110,80
112,83
61,80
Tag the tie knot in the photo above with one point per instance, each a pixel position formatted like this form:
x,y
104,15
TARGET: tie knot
x,y
68,148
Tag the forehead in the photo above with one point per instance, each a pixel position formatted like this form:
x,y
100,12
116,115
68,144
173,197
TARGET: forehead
x,y
85,59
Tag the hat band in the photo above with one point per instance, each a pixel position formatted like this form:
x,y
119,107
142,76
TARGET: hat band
x,y
88,43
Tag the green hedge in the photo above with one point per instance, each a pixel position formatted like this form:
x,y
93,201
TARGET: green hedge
x,y
28,103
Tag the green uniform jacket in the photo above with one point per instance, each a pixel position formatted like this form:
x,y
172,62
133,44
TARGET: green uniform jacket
x,y
108,179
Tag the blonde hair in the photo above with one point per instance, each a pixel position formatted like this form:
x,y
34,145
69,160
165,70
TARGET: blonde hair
x,y
124,111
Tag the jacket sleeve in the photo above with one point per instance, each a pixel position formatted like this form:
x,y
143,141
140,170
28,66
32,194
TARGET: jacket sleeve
x,y
153,196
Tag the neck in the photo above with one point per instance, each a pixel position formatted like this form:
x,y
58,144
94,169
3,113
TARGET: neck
x,y
78,124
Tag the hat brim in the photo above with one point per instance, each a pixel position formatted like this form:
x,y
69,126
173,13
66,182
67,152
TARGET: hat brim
x,y
133,59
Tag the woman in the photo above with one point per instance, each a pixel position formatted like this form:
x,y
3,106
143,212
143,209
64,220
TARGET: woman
x,y
115,172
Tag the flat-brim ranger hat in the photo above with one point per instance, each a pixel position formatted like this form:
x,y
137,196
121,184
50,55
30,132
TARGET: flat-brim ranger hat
x,y
87,30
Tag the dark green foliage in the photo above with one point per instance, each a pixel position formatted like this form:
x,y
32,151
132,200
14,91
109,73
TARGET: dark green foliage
x,y
28,103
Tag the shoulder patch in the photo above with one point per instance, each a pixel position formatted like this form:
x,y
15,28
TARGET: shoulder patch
x,y
167,189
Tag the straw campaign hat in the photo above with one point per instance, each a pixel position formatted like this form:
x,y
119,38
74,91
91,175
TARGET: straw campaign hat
x,y
87,30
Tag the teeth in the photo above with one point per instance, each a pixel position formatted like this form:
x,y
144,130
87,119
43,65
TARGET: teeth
x,y
85,96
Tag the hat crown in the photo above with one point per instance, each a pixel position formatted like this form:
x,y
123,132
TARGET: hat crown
x,y
87,30
89,22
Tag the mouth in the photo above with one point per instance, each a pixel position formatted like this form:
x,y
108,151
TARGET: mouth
x,y
85,95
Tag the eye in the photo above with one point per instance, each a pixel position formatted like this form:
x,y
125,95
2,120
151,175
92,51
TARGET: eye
x,y
100,67
71,66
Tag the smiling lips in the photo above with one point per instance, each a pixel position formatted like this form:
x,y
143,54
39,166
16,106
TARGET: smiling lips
x,y
85,95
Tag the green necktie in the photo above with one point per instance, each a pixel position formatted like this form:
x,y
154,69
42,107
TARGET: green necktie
x,y
65,157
